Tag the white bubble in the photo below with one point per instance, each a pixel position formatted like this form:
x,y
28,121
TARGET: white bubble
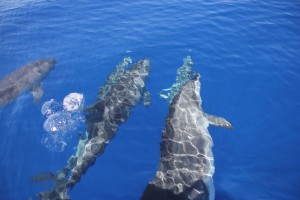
x,y
50,107
73,101
77,117
55,142
59,121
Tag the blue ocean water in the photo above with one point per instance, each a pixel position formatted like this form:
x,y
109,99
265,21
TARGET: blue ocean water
x,y
247,53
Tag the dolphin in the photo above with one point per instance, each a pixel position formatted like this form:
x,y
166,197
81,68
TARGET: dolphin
x,y
26,78
123,91
186,162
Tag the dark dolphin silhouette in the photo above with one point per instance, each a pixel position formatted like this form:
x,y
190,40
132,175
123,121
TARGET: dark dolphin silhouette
x,y
26,78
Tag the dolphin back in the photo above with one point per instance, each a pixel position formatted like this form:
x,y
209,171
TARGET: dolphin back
x,y
186,163
108,113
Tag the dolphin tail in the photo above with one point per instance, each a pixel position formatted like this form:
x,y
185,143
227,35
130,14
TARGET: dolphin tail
x,y
217,121
60,182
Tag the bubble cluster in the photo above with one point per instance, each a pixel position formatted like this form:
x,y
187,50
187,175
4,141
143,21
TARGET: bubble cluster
x,y
59,121
50,107
62,121
73,102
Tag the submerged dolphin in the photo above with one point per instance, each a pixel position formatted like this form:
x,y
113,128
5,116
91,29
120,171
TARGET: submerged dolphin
x,y
123,91
186,164
28,77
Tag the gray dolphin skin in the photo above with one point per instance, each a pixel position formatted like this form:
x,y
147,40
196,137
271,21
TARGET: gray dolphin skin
x,y
186,164
123,91
26,78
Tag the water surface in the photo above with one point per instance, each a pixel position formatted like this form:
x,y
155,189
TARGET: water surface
x,y
246,51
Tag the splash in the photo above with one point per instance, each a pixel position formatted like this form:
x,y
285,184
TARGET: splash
x,y
184,74
113,77
62,121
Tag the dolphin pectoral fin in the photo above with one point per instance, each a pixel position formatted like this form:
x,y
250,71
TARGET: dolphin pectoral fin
x,y
146,98
217,121
37,92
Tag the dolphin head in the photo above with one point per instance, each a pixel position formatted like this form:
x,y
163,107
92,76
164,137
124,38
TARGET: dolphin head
x,y
46,65
142,67
50,60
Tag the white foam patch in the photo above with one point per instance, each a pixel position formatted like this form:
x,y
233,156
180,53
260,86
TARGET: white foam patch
x,y
73,101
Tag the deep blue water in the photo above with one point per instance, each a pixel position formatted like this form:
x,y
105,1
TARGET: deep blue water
x,y
246,51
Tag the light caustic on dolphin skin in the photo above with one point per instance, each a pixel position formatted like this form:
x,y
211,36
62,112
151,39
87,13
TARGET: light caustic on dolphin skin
x,y
186,163
123,90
